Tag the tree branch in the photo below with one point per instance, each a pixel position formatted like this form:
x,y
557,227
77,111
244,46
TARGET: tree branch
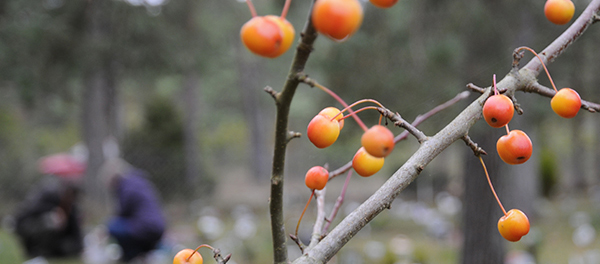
x,y
456,130
283,101
399,121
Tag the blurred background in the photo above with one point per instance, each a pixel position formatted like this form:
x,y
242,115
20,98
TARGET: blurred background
x,y
168,86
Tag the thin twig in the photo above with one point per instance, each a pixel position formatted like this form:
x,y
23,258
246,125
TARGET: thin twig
x,y
271,92
476,88
338,204
292,135
320,220
399,121
477,150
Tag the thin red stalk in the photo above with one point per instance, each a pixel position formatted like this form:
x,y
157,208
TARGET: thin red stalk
x,y
507,129
251,7
338,203
495,88
286,7
491,186
196,250
304,211
543,64
343,103
355,112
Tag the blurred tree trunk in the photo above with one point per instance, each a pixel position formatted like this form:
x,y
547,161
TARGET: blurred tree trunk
x,y
193,163
99,101
249,72
190,128
482,242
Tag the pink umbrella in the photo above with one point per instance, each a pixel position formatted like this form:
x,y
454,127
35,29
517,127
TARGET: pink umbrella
x,y
61,164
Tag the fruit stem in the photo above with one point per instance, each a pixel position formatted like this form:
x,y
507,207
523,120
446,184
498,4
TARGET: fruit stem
x,y
343,103
196,251
251,7
303,211
544,65
286,7
353,113
487,175
507,129
495,88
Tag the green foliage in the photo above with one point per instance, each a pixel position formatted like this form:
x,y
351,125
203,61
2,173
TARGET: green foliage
x,y
157,147
548,172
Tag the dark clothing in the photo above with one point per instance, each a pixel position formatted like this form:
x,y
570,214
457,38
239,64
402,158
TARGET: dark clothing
x,y
47,222
139,223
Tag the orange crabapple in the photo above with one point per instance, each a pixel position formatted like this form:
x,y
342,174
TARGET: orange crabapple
x,y
383,3
498,110
513,225
514,148
378,141
316,178
330,112
559,12
365,164
288,34
262,36
337,19
322,131
182,257
566,103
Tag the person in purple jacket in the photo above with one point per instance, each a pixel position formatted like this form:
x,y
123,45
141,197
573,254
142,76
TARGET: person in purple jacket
x,y
139,222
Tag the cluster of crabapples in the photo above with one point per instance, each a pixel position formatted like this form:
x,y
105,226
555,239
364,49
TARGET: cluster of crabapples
x,y
516,147
323,130
270,36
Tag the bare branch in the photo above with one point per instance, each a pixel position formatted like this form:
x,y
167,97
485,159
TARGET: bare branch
x,y
476,88
320,220
292,135
271,92
399,121
283,102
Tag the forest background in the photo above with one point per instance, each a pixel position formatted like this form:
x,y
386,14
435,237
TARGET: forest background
x,y
172,83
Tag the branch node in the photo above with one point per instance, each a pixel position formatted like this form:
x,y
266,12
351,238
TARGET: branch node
x,y
298,242
478,151
271,92
517,56
292,135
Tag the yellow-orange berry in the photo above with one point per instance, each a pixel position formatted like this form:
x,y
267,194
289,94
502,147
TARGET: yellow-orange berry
x,y
378,141
262,36
559,12
337,19
513,225
366,165
566,103
182,257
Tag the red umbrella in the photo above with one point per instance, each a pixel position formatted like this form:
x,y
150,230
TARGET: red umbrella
x,y
61,164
